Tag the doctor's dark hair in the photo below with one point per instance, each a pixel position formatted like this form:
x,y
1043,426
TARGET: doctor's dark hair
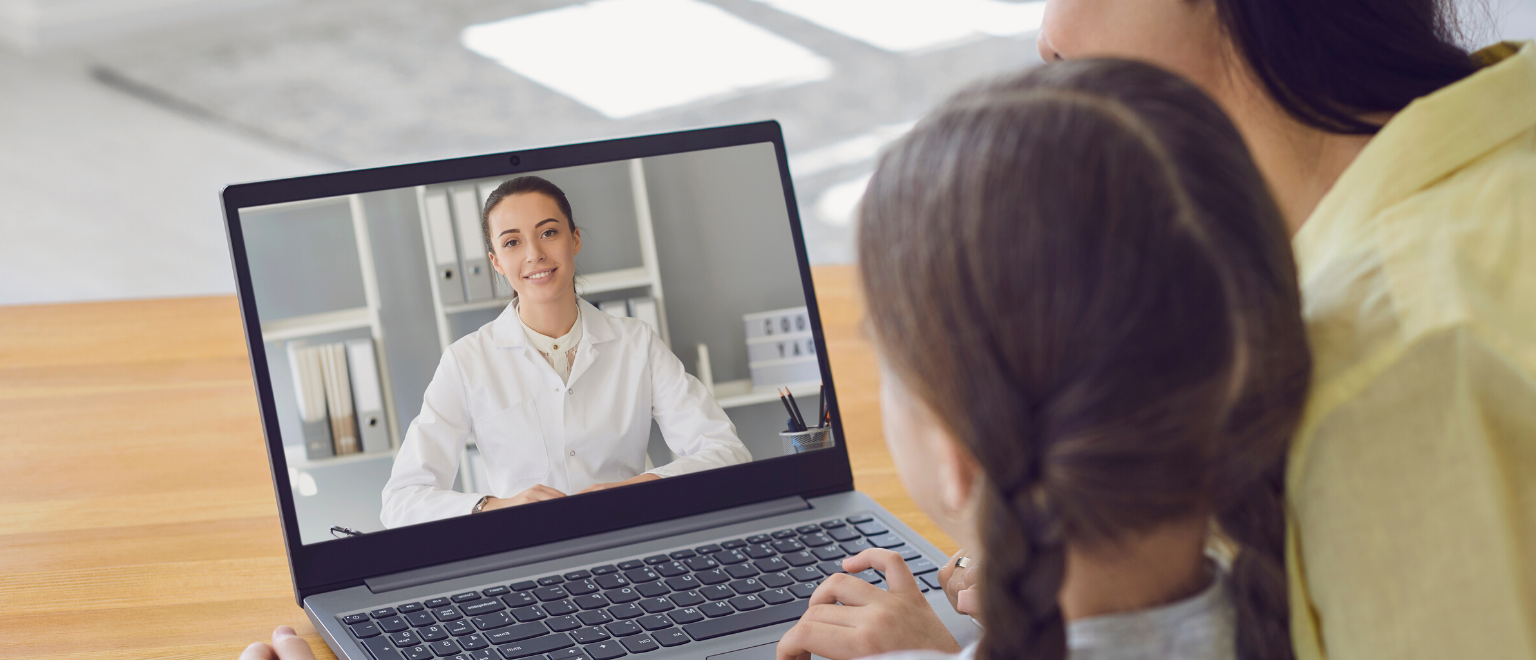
x,y
1330,62
1082,273
518,186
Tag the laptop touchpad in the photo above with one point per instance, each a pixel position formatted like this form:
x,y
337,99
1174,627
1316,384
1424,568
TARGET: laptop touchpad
x,y
759,652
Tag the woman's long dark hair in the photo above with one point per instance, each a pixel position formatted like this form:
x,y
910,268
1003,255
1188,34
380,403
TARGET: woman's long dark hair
x,y
1330,63
1081,271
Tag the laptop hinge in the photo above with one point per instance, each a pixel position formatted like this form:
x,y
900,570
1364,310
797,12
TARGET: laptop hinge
x,y
585,544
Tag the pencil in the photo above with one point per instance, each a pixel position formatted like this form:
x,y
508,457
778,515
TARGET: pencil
x,y
798,417
793,422
821,419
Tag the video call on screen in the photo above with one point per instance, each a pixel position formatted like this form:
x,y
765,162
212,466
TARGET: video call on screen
x,y
359,296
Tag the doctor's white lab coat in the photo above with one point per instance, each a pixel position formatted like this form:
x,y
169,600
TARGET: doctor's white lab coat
x,y
493,387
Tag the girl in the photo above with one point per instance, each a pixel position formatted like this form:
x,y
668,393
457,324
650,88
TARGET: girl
x,y
1093,360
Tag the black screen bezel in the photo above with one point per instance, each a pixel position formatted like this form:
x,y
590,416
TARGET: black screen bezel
x,y
342,563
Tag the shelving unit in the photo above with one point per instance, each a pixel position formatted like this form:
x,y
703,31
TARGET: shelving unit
x,y
298,328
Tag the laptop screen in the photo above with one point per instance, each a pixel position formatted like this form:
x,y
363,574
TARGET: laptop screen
x,y
594,326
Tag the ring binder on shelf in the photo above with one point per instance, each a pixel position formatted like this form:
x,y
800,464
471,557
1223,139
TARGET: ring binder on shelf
x,y
445,254
472,247
309,386
367,396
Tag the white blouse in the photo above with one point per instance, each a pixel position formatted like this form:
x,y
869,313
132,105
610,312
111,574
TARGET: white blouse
x,y
532,427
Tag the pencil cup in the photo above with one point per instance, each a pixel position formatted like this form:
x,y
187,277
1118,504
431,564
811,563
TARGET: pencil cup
x,y
799,442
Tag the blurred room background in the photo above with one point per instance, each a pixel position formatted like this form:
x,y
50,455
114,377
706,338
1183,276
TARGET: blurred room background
x,y
122,119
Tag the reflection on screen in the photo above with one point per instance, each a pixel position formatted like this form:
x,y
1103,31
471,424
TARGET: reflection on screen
x,y
419,371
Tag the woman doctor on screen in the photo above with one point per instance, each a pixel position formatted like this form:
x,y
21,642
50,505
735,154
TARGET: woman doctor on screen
x,y
558,395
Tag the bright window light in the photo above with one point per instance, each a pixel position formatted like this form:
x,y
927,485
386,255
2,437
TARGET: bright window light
x,y
629,57
839,203
913,26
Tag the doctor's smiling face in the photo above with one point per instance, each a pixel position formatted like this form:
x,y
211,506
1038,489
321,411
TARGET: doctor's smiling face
x,y
534,244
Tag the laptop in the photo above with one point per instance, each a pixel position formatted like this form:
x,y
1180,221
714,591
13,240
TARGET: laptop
x,y
354,285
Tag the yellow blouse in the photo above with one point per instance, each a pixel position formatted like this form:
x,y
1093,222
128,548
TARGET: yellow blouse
x,y
1412,481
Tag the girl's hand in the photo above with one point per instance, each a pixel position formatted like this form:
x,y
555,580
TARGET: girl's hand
x,y
286,645
960,585
868,620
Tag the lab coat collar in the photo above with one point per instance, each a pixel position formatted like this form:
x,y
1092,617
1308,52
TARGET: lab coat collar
x,y
596,326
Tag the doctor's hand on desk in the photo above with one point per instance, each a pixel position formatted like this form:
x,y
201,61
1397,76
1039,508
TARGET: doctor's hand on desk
x,y
640,479
538,493
286,645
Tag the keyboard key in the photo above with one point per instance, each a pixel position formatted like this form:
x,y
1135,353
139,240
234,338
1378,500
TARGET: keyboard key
x,y
745,603
871,529
479,607
816,540
466,597
473,642
920,566
828,553
652,589
654,605
746,586
776,596
640,644
383,613
639,575
535,646
713,576
605,651
563,623
671,569
732,544
728,557
592,602
611,581
654,622
519,599
516,633
886,540
381,649
759,538
683,583
707,549
686,615
776,580
719,609
656,559
405,638
807,529
869,575
771,565
784,534
493,620
700,563
682,554
757,551
804,574
909,553
672,637
830,567
740,571
446,614
604,569
787,546
547,594
932,580
560,608
631,564
365,630
712,628
855,547
832,523
491,592
445,648
623,628
550,581
625,611
595,618
716,592
458,628
530,613
801,558
860,518
625,595
578,575
434,633
417,653
686,598
354,618
843,533
581,587
567,654
589,635
525,585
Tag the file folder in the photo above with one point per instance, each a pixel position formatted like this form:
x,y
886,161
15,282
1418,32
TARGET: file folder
x,y
445,255
472,247
501,289
368,395
309,390
338,398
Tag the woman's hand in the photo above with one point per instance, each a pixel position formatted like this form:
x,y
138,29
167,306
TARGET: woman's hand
x,y
869,620
960,585
538,493
639,479
286,645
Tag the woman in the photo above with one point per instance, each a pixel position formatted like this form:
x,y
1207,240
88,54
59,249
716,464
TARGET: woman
x,y
1093,357
1405,169
557,395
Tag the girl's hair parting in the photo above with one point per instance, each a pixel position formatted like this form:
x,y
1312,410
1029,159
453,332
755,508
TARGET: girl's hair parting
x,y
1082,272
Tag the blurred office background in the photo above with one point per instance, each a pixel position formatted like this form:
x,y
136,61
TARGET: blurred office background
x,y
122,119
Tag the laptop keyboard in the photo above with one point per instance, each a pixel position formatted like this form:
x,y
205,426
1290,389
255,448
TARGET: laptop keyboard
x,y
637,605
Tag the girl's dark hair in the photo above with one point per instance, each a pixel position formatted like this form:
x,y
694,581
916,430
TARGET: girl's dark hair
x,y
520,185
1330,62
1081,271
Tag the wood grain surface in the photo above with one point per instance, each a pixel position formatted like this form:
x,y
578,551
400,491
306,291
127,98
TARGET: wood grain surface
x,y
137,518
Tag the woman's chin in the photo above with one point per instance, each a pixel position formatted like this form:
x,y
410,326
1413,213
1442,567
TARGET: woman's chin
x,y
540,294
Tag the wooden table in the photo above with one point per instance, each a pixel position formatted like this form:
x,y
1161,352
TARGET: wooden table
x,y
137,518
